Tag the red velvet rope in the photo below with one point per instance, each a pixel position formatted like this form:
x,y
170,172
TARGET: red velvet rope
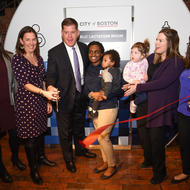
x,y
91,138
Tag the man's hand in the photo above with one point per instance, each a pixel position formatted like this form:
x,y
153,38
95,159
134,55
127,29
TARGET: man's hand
x,y
55,90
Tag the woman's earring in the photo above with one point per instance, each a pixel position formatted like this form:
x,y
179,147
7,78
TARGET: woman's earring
x,y
21,47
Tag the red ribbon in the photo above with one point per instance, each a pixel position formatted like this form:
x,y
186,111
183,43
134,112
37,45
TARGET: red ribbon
x,y
91,138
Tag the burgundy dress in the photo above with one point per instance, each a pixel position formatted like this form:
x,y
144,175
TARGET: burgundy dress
x,y
7,117
31,108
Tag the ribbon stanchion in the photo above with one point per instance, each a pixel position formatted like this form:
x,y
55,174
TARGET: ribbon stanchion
x,y
91,138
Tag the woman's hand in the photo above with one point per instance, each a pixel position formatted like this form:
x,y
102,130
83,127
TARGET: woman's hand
x,y
51,95
131,89
125,87
49,107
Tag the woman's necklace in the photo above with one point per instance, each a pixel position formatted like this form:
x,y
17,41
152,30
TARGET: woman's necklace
x,y
32,59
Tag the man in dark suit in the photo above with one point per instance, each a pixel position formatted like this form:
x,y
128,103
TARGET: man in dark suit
x,y
67,63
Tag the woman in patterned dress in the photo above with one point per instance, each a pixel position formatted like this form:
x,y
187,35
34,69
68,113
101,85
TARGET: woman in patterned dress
x,y
31,105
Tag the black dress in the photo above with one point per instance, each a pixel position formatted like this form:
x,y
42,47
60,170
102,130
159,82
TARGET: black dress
x,y
142,108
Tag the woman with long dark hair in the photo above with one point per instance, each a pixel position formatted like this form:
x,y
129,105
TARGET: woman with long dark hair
x,y
165,67
31,104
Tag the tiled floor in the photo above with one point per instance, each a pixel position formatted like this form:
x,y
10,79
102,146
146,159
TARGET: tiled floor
x,y
128,177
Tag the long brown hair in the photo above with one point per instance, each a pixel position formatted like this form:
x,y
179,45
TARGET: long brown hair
x,y
187,56
19,46
173,44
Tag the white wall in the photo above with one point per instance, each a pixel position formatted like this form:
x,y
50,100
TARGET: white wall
x,y
149,18
151,14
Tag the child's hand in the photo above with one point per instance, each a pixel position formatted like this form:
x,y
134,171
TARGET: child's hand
x,y
145,77
136,82
96,96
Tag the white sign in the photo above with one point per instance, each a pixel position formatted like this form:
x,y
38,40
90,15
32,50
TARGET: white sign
x,y
106,25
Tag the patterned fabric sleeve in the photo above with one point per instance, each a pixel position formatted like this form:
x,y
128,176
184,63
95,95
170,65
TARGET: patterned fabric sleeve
x,y
19,70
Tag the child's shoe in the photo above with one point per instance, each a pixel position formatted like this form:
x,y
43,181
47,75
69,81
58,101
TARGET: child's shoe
x,y
92,113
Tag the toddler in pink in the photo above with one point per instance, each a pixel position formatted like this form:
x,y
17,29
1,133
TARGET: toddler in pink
x,y
135,71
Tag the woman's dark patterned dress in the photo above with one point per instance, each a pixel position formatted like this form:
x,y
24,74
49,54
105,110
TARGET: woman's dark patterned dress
x,y
31,108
